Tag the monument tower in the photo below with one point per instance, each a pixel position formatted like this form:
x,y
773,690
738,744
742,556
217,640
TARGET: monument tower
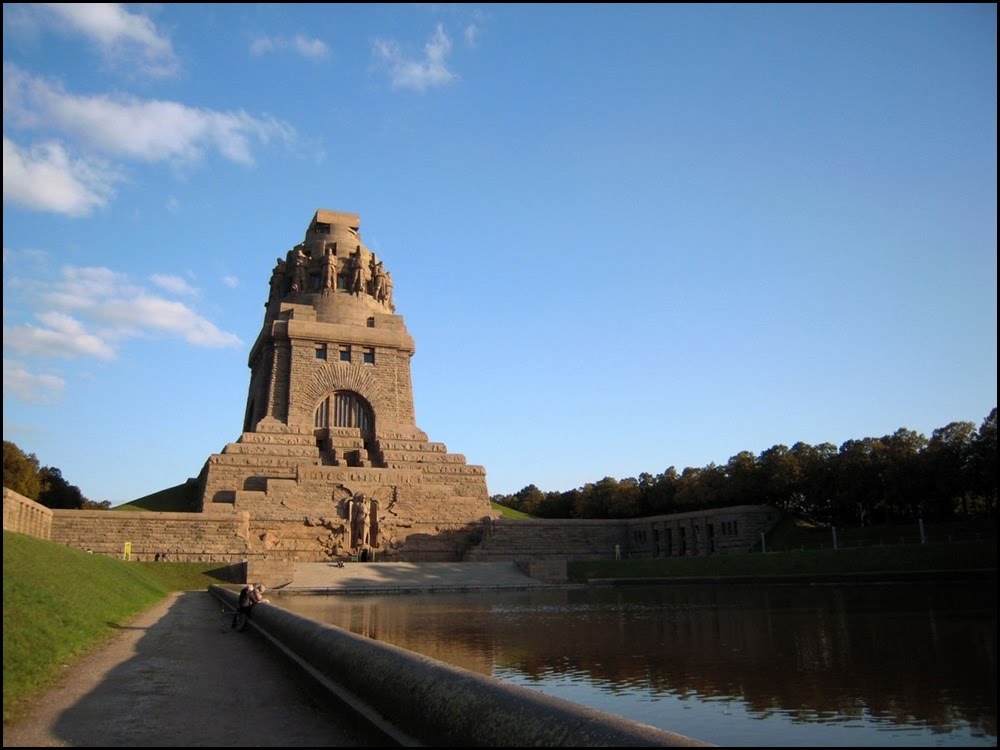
x,y
331,462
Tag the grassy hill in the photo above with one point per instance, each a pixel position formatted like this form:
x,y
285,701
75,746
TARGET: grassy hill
x,y
508,512
182,498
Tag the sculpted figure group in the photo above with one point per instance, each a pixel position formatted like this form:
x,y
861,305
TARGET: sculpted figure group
x,y
315,267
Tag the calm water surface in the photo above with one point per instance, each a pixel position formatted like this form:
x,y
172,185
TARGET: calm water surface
x,y
876,665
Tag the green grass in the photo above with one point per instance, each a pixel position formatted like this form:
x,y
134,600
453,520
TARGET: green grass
x,y
795,534
907,557
508,512
60,602
183,498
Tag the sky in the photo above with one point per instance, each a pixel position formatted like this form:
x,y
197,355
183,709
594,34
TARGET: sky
x,y
623,237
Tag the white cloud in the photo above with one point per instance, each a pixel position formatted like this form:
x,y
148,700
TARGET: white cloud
x,y
60,335
127,127
314,49
123,36
310,47
471,35
173,205
262,45
148,312
231,281
173,284
81,288
34,257
89,311
45,178
29,386
418,75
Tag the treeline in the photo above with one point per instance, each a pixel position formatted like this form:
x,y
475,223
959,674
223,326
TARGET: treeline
x,y
43,484
898,477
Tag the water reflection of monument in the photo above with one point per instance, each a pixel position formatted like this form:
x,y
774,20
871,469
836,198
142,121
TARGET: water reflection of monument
x,y
900,655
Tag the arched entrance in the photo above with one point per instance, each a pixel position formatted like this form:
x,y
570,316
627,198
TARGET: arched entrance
x,y
342,410
345,409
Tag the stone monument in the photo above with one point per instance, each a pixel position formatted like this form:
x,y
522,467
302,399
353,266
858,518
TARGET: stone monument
x,y
331,464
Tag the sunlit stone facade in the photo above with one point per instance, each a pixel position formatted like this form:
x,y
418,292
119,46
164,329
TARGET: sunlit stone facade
x,y
331,463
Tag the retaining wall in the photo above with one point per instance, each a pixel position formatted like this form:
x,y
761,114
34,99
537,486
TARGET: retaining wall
x,y
26,516
177,537
422,702
716,531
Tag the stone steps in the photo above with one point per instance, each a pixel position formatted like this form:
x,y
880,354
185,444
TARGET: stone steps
x,y
420,446
248,449
256,438
263,461
414,457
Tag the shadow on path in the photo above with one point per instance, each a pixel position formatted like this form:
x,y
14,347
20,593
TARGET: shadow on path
x,y
174,677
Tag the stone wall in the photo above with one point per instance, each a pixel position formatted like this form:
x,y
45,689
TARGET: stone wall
x,y
556,539
175,537
25,516
273,537
720,531
711,532
384,382
271,573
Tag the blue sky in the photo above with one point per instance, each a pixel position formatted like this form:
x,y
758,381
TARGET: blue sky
x,y
623,237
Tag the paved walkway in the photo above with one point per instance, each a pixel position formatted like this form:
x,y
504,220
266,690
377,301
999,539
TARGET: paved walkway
x,y
174,678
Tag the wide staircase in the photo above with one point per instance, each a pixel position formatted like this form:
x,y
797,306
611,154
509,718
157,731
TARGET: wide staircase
x,y
539,539
259,459
431,502
397,577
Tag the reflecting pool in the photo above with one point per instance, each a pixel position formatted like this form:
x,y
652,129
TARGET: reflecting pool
x,y
732,664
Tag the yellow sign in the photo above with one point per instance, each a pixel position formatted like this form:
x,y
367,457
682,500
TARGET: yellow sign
x,y
128,550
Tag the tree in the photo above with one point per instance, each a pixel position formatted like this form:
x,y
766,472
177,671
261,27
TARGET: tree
x,y
597,500
743,485
946,453
700,488
658,498
860,486
529,500
817,487
20,471
981,463
57,492
626,499
781,475
904,475
559,504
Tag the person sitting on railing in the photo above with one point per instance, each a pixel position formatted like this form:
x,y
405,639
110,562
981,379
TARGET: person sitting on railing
x,y
250,597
